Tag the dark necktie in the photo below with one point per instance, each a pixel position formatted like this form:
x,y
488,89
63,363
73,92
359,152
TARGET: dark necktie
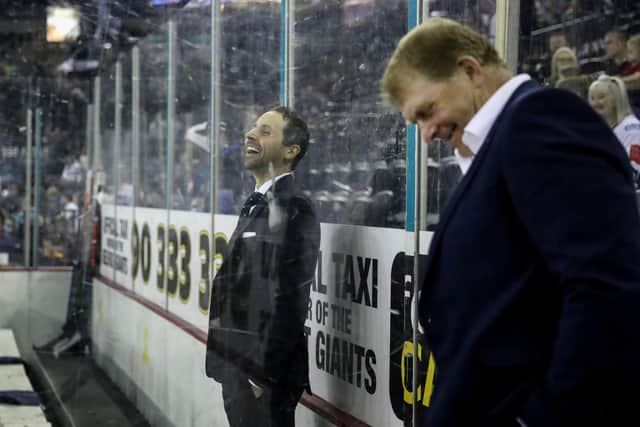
x,y
255,199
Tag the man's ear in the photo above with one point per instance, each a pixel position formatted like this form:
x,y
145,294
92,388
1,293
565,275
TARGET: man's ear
x,y
291,151
470,66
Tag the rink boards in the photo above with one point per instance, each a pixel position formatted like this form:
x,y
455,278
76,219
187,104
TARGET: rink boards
x,y
150,313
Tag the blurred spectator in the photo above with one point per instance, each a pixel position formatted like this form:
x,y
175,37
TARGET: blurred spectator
x,y
608,97
564,63
73,172
569,75
631,74
71,211
10,198
52,199
538,69
578,84
615,47
7,243
557,39
572,10
18,229
549,12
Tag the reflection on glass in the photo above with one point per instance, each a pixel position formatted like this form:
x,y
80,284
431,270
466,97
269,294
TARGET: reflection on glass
x,y
124,194
63,168
250,82
13,95
190,186
443,175
480,15
153,113
106,161
355,171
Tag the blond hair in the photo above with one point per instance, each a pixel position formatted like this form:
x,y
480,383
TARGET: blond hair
x,y
555,72
634,42
617,90
432,50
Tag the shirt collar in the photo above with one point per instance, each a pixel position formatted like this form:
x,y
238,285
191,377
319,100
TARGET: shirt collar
x,y
478,128
267,185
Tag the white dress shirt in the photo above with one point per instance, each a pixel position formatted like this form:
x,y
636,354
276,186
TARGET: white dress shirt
x,y
267,185
478,128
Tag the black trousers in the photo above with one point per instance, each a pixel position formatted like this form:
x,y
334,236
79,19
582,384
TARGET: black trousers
x,y
274,408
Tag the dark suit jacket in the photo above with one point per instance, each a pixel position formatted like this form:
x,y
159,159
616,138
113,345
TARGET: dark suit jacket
x,y
259,296
530,302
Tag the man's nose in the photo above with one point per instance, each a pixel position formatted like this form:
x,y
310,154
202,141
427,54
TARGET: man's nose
x,y
426,130
250,135
430,131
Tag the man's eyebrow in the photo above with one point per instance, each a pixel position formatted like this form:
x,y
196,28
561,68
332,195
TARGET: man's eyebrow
x,y
267,127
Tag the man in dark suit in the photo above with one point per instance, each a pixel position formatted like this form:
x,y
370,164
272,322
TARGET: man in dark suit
x,y
531,296
256,346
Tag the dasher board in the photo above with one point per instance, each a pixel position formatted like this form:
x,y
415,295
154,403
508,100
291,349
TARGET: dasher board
x,y
26,424
14,377
8,346
31,416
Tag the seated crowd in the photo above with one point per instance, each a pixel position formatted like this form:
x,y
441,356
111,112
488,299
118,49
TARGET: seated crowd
x,y
609,81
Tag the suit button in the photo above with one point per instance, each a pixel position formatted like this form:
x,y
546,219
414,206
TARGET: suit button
x,y
429,320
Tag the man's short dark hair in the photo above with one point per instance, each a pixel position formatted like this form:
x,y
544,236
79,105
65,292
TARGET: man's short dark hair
x,y
295,132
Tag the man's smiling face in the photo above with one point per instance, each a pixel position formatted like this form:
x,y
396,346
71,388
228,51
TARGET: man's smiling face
x,y
441,109
263,144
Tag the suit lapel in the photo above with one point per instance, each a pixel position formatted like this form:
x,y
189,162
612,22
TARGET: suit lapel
x,y
245,222
452,205
281,189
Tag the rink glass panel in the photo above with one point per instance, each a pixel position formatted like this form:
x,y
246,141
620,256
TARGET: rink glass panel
x,y
191,171
60,166
152,162
355,170
124,167
248,36
14,97
105,150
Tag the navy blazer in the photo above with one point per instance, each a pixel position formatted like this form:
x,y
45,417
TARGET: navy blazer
x,y
260,294
530,301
